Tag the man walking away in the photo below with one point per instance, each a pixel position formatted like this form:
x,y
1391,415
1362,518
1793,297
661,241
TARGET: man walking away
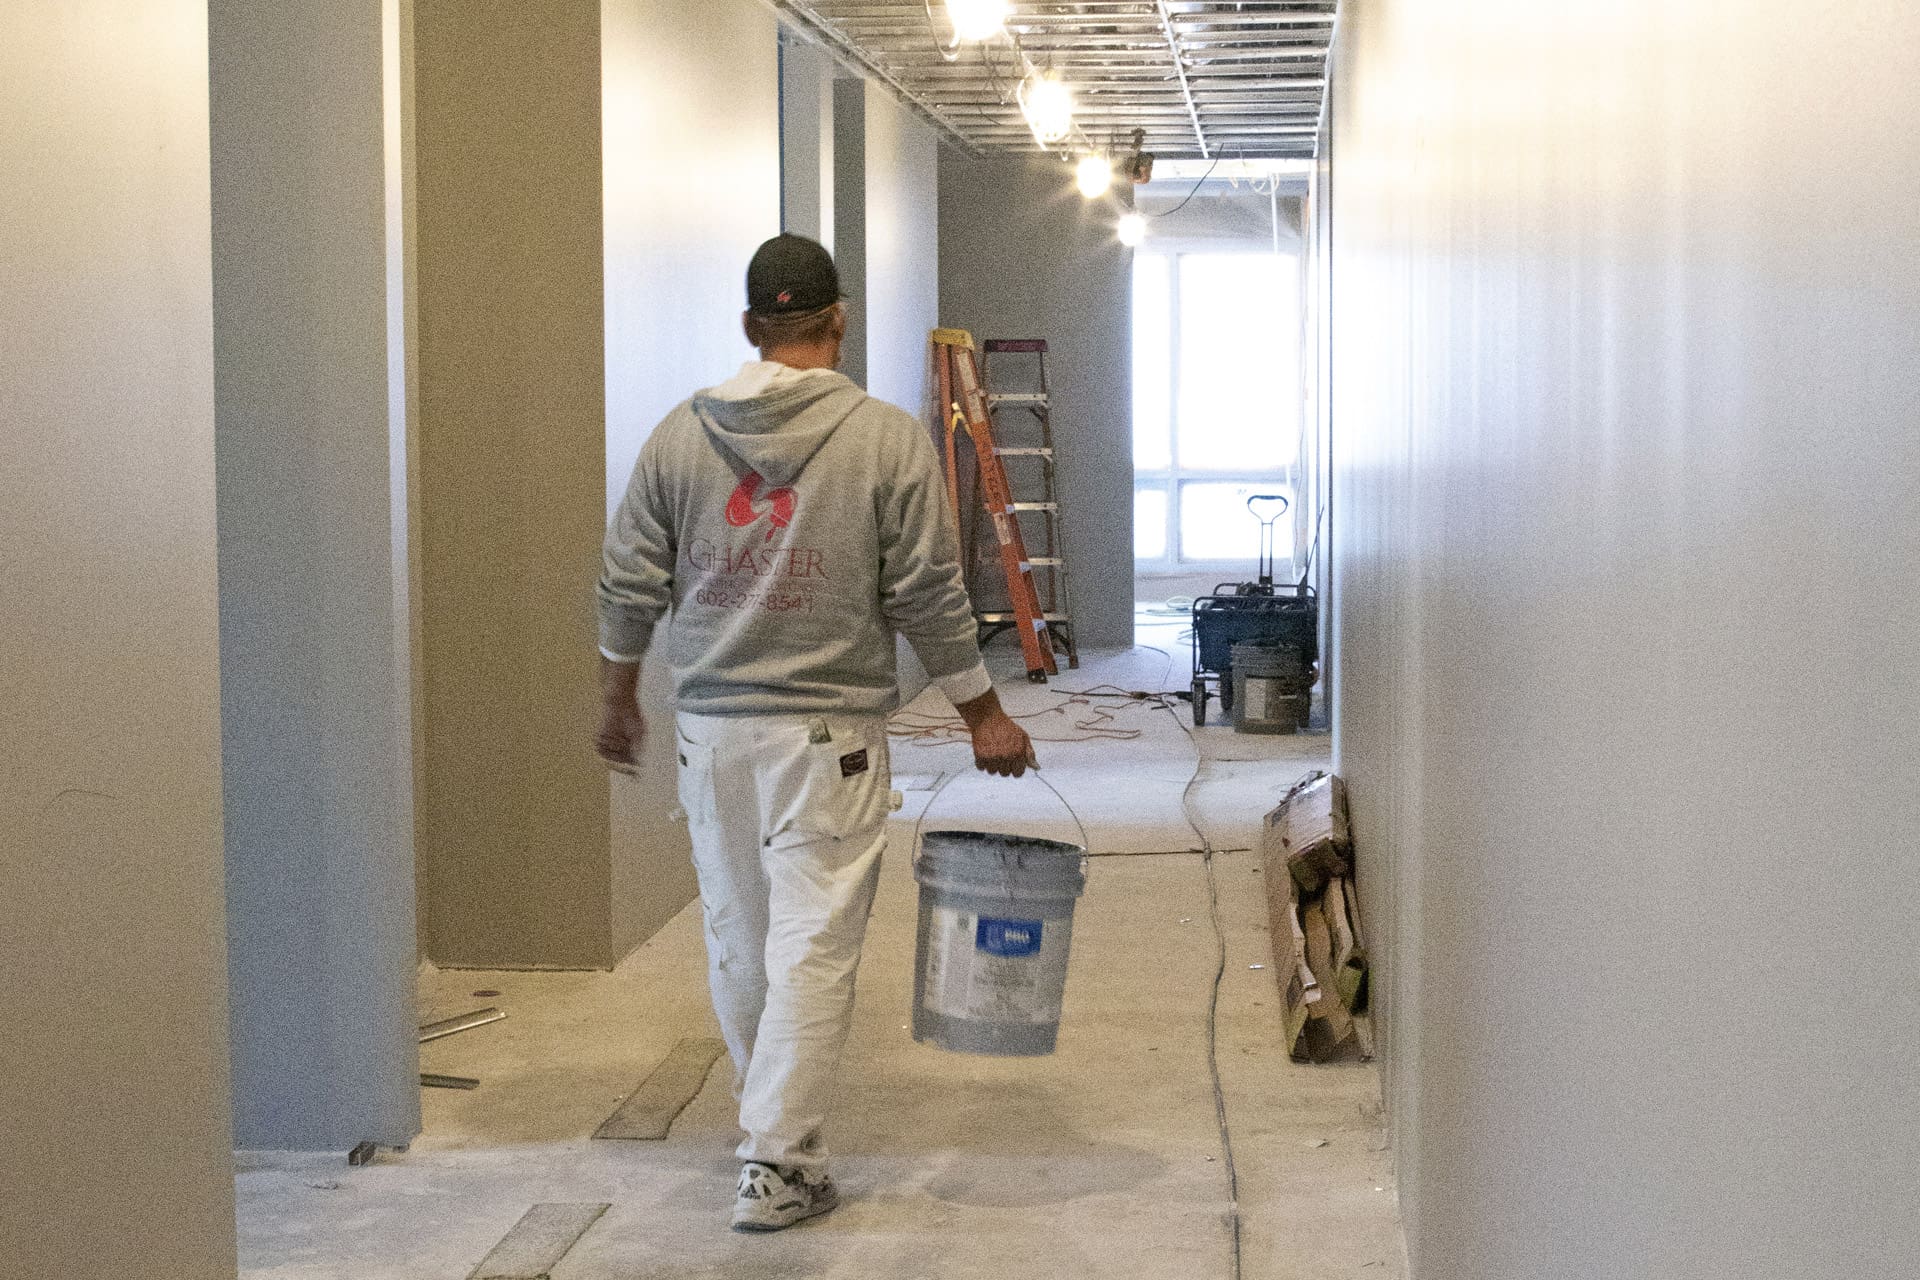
x,y
794,525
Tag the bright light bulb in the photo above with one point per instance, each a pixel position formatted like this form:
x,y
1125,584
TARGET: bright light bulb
x,y
1048,106
1132,230
977,19
1093,175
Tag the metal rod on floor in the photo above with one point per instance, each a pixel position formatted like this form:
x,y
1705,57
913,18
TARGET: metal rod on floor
x,y
465,1022
429,1080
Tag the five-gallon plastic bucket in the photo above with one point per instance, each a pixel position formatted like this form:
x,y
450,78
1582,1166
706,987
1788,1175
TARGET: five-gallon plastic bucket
x,y
1272,687
996,920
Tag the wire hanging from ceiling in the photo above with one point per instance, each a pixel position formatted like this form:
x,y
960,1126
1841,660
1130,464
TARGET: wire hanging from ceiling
x,y
1196,188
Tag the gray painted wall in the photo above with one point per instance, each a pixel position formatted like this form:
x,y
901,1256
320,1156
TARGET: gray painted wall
x,y
850,218
1023,256
685,208
1626,384
902,175
113,1066
317,740
886,241
806,139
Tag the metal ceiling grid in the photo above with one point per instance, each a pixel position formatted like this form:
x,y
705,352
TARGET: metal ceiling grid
x,y
1202,79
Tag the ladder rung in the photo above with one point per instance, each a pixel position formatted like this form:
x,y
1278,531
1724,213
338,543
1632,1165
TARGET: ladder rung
x,y
1044,562
1022,451
1017,397
1014,617
1033,506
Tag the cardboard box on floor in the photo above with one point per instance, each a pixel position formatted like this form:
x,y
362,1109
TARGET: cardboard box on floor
x,y
1319,958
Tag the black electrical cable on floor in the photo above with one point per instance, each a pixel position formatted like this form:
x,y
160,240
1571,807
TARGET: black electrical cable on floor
x,y
1213,1005
1213,1059
1219,971
1220,942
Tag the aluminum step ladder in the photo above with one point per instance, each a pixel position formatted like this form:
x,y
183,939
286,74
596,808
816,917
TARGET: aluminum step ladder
x,y
965,411
1019,404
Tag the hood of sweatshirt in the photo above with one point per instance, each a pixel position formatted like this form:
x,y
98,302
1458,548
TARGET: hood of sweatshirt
x,y
774,419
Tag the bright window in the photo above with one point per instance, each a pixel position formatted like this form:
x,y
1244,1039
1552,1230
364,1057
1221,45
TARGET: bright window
x,y
1152,362
1216,395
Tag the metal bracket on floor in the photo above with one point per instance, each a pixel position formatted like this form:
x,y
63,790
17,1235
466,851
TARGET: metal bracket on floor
x,y
454,1026
433,1080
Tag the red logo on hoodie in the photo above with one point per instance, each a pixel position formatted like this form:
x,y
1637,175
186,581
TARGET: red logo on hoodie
x,y
742,512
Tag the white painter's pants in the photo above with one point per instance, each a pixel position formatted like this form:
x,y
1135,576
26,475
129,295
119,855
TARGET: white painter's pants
x,y
788,817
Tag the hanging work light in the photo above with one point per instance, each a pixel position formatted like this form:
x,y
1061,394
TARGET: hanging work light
x,y
977,19
1132,230
1047,104
1093,175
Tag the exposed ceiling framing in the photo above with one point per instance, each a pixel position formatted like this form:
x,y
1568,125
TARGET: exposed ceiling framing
x,y
1202,79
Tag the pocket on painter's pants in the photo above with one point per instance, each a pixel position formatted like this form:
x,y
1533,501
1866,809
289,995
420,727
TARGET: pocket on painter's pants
x,y
693,781
848,787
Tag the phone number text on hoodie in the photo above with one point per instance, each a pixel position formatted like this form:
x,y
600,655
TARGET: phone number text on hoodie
x,y
771,600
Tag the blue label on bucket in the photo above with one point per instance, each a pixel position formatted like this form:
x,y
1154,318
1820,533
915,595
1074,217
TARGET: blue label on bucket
x,y
1008,937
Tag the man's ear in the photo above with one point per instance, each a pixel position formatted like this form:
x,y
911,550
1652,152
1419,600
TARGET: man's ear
x,y
748,327
839,321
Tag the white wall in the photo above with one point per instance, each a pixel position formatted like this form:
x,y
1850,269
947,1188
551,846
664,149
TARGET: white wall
x,y
1626,385
113,1063
317,732
691,135
1023,256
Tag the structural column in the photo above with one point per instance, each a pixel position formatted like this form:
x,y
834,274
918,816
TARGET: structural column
x,y
312,575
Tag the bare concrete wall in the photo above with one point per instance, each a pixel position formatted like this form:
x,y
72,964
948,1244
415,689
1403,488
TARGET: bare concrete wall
x,y
315,715
692,188
1626,384
113,1066
1023,256
512,819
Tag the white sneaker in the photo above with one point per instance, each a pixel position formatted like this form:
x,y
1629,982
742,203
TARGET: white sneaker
x,y
770,1200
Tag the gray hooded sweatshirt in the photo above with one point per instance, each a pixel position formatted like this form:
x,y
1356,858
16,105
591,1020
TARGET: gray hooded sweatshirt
x,y
794,524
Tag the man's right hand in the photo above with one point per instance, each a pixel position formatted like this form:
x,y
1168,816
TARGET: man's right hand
x,y
999,745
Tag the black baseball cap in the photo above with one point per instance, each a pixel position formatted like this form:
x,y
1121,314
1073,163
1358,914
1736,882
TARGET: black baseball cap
x,y
791,275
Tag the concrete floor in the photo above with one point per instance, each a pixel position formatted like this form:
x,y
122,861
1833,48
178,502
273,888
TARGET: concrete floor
x,y
1103,1160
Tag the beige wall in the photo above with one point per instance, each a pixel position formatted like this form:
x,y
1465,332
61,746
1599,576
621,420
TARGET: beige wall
x,y
113,1063
590,186
1626,384
512,815
692,187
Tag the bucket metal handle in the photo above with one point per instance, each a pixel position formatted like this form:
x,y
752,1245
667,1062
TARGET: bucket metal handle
x,y
1266,533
